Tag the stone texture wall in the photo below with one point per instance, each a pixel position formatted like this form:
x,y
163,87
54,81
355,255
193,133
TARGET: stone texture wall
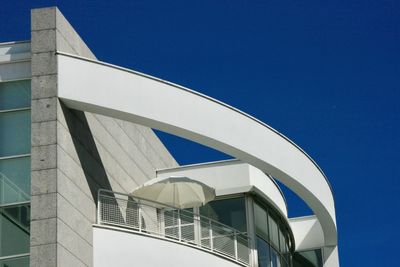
x,y
75,153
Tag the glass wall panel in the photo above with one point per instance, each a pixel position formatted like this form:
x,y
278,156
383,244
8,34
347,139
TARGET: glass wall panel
x,y
231,212
15,94
275,259
273,231
15,180
282,241
15,133
261,221
15,140
14,230
264,259
311,258
286,259
284,262
15,262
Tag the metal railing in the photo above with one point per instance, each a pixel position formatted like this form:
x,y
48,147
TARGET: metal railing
x,y
15,260
157,219
10,192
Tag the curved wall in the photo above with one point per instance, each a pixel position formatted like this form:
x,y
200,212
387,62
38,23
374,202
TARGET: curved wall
x,y
126,249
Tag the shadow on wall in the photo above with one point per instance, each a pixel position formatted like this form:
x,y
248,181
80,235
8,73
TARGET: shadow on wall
x,y
87,151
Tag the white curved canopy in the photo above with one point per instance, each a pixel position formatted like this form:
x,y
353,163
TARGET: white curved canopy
x,y
120,93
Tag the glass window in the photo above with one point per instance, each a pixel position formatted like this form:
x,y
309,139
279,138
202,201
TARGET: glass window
x,y
15,180
15,94
260,218
15,262
231,212
311,258
15,133
282,241
275,260
15,140
273,231
285,261
14,230
264,259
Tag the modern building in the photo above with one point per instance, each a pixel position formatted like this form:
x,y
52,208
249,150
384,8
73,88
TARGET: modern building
x,y
76,139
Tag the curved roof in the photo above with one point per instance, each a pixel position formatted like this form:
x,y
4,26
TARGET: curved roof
x,y
99,87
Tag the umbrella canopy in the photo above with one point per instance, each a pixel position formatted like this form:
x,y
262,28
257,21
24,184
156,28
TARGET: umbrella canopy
x,y
179,192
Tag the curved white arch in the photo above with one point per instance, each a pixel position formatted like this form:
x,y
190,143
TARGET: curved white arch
x,y
98,87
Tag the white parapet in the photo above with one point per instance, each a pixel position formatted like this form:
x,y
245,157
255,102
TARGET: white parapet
x,y
116,247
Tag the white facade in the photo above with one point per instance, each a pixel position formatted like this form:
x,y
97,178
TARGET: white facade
x,y
73,224
84,84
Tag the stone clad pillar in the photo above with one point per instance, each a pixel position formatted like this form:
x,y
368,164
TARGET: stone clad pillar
x,y
75,153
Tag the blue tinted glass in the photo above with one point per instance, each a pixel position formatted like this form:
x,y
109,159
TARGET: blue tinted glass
x,y
264,259
231,212
281,241
15,133
15,94
310,258
15,179
261,221
273,231
14,230
285,263
275,259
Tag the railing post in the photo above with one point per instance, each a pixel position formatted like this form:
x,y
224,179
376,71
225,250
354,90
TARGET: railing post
x,y
235,244
179,226
162,223
211,236
139,216
197,226
2,189
98,207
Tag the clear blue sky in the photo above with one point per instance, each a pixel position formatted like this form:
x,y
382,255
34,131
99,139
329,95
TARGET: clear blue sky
x,y
324,73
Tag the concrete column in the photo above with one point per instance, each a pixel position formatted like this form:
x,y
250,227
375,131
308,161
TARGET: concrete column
x,y
75,153
43,138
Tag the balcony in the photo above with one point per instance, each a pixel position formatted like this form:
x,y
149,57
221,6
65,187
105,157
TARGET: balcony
x,y
182,226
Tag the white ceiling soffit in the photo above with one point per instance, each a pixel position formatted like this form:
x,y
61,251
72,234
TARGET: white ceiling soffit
x,y
113,91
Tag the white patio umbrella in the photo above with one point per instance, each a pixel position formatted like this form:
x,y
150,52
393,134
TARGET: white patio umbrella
x,y
179,192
